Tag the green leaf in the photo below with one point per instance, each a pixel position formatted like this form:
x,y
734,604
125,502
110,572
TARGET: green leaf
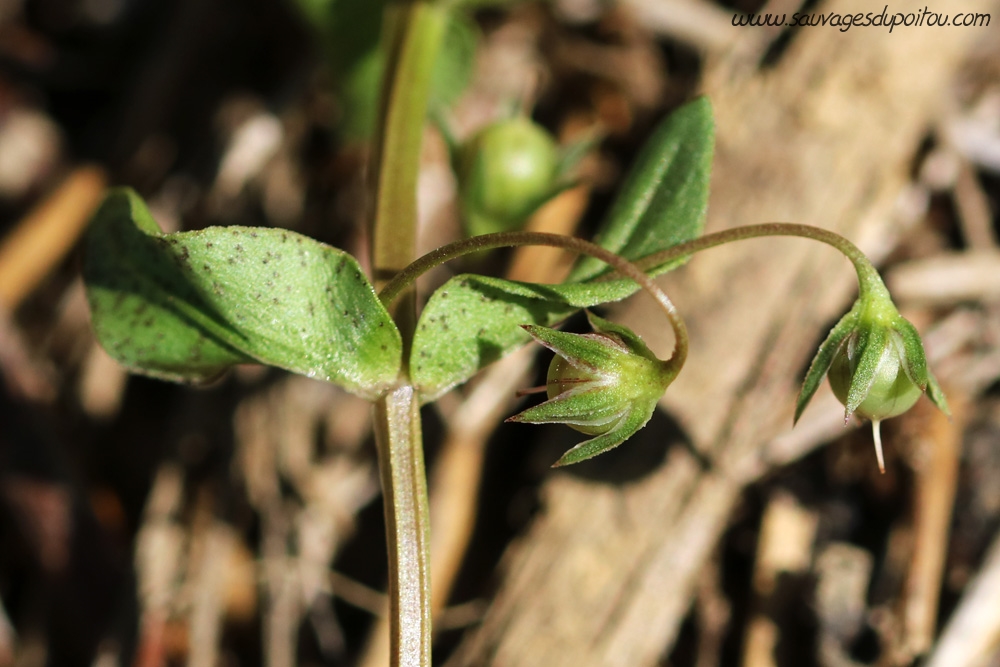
x,y
455,60
665,196
186,306
473,321
349,31
824,357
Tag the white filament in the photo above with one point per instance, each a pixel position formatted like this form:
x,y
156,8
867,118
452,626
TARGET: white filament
x,y
877,432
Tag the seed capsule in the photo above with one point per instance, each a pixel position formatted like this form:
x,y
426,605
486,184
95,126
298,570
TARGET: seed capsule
x,y
505,172
563,377
605,384
875,362
890,393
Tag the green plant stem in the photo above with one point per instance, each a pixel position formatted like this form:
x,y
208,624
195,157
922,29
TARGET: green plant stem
x,y
869,281
405,278
413,32
407,515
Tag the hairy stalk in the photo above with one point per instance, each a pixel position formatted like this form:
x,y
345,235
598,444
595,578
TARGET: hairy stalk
x,y
868,278
405,278
414,31
404,488
412,36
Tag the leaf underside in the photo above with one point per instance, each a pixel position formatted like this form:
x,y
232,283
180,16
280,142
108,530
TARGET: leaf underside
x,y
473,321
186,306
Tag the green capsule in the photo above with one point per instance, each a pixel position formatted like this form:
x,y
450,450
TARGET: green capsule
x,y
564,376
605,384
890,392
875,362
505,172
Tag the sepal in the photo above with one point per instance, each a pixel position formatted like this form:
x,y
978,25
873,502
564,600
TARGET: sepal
x,y
875,362
824,357
606,384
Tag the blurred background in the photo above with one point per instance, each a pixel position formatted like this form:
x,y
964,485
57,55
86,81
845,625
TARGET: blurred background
x,y
146,523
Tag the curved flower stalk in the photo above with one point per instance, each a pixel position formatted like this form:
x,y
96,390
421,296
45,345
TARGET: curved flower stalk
x,y
605,384
874,356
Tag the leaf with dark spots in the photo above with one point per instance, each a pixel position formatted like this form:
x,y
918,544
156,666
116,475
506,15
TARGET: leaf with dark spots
x,y
207,310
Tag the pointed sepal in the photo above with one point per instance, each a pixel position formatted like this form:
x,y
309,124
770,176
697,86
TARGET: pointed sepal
x,y
868,349
824,357
605,384
936,395
625,428
583,406
590,353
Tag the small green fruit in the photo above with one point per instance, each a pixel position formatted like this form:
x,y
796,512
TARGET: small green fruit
x,y
605,384
875,362
505,172
891,392
563,377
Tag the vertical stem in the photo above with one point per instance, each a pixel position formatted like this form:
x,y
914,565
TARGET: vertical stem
x,y
412,35
404,489
414,31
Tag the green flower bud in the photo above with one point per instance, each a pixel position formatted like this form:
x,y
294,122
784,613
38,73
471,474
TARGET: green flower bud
x,y
505,172
875,362
604,384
